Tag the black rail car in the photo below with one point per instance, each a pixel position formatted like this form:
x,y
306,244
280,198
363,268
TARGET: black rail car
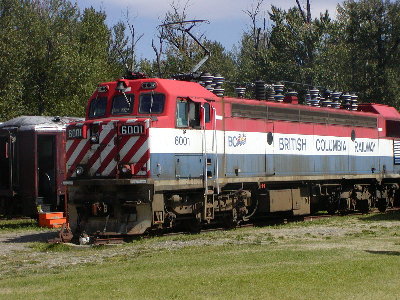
x,y
32,165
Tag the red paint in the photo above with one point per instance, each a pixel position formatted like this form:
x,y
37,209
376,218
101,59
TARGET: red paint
x,y
173,90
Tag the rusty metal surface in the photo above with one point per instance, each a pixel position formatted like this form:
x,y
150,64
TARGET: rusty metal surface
x,y
108,241
64,235
28,122
32,179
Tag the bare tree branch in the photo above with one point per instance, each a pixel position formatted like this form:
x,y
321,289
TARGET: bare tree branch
x,y
306,15
133,42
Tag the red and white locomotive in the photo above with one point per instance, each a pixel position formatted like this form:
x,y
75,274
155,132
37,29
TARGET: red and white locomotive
x,y
153,153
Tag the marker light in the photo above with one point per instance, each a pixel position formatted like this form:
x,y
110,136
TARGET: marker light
x,y
149,85
102,88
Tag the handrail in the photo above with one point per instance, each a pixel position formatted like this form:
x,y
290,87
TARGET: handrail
x,y
215,142
204,145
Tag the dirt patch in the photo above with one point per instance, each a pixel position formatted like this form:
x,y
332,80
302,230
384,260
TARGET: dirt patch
x,y
18,241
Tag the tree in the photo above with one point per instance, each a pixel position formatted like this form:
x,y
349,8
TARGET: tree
x,y
253,58
178,52
288,50
52,56
370,41
122,48
13,54
175,50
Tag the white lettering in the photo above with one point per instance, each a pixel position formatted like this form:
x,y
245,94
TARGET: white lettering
x,y
74,133
131,129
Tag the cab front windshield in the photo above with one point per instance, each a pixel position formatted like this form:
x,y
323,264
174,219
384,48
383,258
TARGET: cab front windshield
x,y
122,104
151,103
98,107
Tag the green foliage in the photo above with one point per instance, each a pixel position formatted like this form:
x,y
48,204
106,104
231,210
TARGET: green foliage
x,y
371,34
13,53
358,52
287,51
51,56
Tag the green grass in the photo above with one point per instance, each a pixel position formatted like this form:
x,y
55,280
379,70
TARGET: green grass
x,y
15,225
45,247
222,272
244,263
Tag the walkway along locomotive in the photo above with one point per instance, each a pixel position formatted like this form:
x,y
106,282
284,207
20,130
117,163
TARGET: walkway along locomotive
x,y
153,153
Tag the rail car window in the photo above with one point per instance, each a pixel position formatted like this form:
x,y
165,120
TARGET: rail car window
x,y
98,107
301,115
4,162
151,103
122,104
392,128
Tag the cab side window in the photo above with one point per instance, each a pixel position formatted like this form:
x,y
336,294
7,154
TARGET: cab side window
x,y
187,113
182,109
194,115
207,112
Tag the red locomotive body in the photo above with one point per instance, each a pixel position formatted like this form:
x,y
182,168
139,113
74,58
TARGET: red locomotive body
x,y
153,153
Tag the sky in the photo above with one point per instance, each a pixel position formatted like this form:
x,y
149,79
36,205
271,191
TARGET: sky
x,y
227,18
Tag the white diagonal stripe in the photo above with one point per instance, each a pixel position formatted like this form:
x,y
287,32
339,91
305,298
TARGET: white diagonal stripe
x,y
131,142
141,151
76,152
109,168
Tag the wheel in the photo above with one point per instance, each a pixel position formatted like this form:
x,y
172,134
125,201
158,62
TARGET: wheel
x,y
230,220
364,206
193,225
382,205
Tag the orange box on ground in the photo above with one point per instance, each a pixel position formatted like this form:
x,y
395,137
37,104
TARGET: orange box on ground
x,y
52,219
51,215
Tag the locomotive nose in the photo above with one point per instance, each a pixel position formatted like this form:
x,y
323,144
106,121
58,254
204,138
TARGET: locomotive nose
x,y
117,148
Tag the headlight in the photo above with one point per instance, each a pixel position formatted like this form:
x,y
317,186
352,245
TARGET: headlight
x,y
94,139
79,170
125,169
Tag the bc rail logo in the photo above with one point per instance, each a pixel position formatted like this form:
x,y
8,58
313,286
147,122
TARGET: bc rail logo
x,y
236,141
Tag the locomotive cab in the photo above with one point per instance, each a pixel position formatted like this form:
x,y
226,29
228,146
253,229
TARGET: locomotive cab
x,y
121,156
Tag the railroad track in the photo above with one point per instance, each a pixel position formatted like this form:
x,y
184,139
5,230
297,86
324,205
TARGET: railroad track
x,y
103,239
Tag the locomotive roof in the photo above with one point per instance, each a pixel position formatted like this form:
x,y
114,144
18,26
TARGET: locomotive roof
x,y
365,109
184,88
31,122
